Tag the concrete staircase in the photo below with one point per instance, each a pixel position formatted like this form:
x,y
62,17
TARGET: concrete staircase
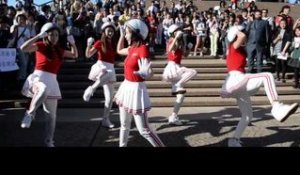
x,y
203,90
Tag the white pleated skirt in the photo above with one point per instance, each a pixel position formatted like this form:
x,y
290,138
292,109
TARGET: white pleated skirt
x,y
172,72
98,69
133,97
49,79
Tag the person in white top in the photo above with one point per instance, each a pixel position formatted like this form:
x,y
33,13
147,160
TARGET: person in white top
x,y
213,35
167,22
21,34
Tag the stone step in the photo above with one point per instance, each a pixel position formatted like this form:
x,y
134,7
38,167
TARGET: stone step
x,y
157,102
155,63
162,84
119,70
156,77
191,92
160,92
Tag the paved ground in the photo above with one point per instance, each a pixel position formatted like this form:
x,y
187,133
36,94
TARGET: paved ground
x,y
207,126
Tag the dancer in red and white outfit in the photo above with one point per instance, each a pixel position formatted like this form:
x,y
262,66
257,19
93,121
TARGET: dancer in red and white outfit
x,y
174,72
241,86
103,72
42,85
132,96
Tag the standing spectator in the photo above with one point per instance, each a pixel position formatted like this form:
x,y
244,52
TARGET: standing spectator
x,y
21,34
258,37
167,22
294,62
152,22
282,42
270,21
6,78
152,8
213,34
201,34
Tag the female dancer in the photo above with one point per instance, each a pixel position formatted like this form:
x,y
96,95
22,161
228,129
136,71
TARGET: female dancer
x,y
241,86
132,96
174,72
42,85
103,71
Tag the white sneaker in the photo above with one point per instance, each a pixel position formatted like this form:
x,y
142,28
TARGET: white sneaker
x,y
234,142
174,121
27,119
88,93
282,111
107,123
49,144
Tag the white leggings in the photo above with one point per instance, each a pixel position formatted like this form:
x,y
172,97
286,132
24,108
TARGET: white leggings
x,y
185,75
178,103
49,107
141,122
253,83
108,89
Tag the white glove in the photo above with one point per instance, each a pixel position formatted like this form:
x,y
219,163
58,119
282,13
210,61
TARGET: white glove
x,y
90,41
42,35
144,68
179,34
122,30
190,45
71,39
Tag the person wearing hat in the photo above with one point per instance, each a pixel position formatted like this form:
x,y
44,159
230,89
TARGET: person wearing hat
x,y
103,71
132,96
174,72
42,85
241,85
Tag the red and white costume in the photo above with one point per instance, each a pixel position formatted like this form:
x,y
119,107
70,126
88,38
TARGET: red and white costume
x,y
132,94
105,63
133,99
174,72
46,72
178,76
43,88
241,86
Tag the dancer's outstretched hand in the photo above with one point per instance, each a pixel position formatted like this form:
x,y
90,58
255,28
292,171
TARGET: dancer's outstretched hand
x,y
144,68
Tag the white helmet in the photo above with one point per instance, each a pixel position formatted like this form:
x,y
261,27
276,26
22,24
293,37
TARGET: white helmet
x,y
108,24
139,27
49,26
172,29
232,32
